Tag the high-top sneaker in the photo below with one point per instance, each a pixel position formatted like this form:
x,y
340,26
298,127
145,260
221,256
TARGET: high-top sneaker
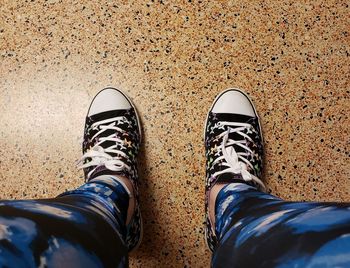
x,y
233,146
111,143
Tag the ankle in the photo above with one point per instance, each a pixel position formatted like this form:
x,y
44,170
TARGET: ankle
x,y
129,187
126,183
212,200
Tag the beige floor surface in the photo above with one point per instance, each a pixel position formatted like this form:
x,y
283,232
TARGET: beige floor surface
x,y
173,58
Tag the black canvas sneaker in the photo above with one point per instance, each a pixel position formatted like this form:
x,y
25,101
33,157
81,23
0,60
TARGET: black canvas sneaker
x,y
233,147
112,137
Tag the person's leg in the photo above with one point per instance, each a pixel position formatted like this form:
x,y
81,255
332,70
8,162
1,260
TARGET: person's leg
x,y
234,150
255,229
96,224
82,228
246,227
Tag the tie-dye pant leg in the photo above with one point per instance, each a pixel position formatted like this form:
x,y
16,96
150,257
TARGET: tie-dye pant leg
x,y
256,229
80,228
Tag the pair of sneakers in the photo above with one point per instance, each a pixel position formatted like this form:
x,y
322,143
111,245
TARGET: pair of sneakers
x,y
233,146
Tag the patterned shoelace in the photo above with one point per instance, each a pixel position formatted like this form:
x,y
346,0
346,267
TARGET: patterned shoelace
x,y
102,155
235,162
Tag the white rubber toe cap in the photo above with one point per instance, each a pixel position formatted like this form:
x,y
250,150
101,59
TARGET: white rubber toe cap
x,y
233,101
107,100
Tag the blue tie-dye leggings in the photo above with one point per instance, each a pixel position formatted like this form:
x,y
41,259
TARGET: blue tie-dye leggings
x,y
86,228
82,228
260,230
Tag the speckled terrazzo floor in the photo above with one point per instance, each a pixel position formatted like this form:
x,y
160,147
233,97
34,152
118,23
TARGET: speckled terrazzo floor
x,y
172,58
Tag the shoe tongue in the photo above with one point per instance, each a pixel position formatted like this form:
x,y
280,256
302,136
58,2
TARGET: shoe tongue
x,y
233,118
103,116
239,118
